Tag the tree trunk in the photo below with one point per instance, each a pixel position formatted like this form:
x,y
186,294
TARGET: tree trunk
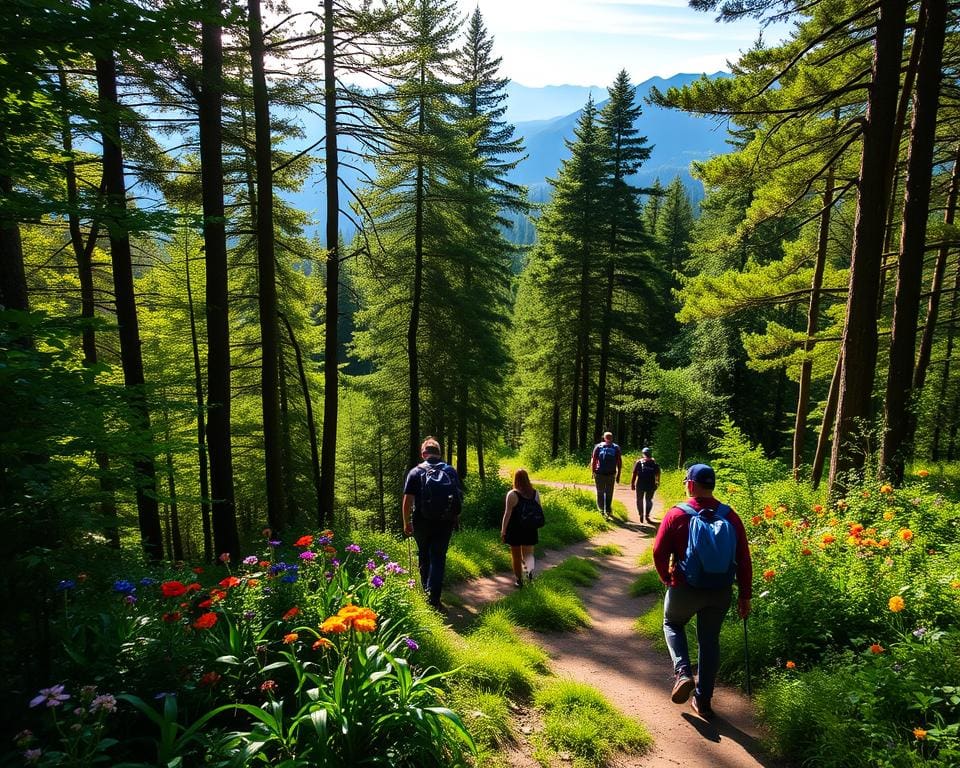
x,y
599,421
481,470
462,431
201,423
945,373
413,448
286,447
826,425
131,358
813,310
859,345
176,542
328,453
267,281
13,275
936,285
311,425
574,401
906,306
223,512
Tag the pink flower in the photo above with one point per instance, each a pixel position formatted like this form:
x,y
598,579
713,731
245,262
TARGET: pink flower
x,y
52,697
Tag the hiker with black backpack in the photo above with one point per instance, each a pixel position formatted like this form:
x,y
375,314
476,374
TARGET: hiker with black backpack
x,y
432,500
606,462
522,520
645,480
699,551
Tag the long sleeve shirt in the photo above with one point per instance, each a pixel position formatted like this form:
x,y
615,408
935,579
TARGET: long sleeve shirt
x,y
672,540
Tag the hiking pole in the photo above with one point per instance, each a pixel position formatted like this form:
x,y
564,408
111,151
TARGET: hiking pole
x,y
409,556
746,656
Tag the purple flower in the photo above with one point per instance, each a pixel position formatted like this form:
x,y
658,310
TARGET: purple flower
x,y
274,542
32,755
395,568
323,541
104,701
130,599
164,694
250,560
308,555
249,615
65,585
328,576
919,632
355,548
52,697
381,554
411,583
411,644
123,586
335,563
377,582
371,566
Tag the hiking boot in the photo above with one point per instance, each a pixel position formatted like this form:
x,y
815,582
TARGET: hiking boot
x,y
682,688
518,581
701,708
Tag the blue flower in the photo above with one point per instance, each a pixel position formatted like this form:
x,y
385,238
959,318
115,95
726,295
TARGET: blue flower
x,y
124,587
146,581
66,584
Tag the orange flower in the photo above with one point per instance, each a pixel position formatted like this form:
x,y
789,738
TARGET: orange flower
x,y
782,508
856,529
304,541
918,733
210,679
229,581
334,625
818,508
922,472
769,574
264,563
842,504
829,538
886,489
888,515
853,541
205,621
806,551
327,533
788,523
896,604
906,534
252,582
865,494
322,643
883,543
877,648
292,637
768,512
364,625
330,550
756,520
955,585
791,665
291,613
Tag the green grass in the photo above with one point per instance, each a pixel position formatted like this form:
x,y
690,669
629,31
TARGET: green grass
x,y
607,550
650,626
572,516
551,603
473,554
578,720
647,583
487,716
671,488
645,558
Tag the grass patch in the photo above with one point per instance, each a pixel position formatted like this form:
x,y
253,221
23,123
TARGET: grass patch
x,y
551,603
487,716
607,550
571,515
645,558
473,554
672,489
650,626
580,721
493,657
647,583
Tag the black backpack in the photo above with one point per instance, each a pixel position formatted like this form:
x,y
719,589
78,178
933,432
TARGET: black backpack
x,y
440,496
529,512
646,474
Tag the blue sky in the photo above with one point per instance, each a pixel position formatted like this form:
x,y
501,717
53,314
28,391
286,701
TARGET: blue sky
x,y
587,42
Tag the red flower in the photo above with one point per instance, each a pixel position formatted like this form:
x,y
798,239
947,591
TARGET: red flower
x,y
769,574
304,541
198,570
205,603
229,581
194,587
205,621
173,588
268,685
210,679
171,617
291,613
806,551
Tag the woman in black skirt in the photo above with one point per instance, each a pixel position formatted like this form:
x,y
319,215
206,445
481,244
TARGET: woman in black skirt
x,y
522,517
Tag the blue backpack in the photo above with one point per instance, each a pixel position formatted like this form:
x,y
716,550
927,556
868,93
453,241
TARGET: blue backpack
x,y
439,493
607,458
711,558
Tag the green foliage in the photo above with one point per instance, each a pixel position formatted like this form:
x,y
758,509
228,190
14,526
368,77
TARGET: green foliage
x,y
607,550
580,721
474,553
550,602
647,583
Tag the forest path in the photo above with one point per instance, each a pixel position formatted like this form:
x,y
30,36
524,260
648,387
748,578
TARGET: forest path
x,y
613,658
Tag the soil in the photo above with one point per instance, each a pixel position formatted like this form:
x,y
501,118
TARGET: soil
x,y
613,658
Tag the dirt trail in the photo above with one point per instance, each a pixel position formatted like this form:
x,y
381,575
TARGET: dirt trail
x,y
610,656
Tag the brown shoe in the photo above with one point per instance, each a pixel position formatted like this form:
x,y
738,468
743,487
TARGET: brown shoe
x,y
704,710
682,688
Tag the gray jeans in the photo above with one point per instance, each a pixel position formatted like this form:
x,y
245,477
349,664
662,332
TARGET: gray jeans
x,y
710,606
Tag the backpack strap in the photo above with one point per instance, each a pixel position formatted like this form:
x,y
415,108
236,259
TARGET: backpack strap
x,y
722,510
687,508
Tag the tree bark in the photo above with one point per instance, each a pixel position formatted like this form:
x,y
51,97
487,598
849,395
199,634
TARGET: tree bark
x,y
826,426
223,512
945,372
131,357
906,305
328,453
859,345
599,421
266,272
813,310
13,275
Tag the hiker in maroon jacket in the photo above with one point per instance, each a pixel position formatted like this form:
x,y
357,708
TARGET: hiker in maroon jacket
x,y
684,601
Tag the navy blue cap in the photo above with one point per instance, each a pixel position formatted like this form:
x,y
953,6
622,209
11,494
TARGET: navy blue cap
x,y
702,474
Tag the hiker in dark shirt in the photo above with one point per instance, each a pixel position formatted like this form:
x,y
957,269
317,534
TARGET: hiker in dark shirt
x,y
606,462
431,530
515,529
684,601
645,480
